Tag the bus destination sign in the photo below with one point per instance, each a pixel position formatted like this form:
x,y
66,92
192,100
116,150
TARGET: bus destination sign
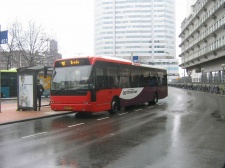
x,y
72,62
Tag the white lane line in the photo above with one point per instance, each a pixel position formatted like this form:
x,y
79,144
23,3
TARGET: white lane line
x,y
35,135
102,118
150,106
122,114
138,110
75,125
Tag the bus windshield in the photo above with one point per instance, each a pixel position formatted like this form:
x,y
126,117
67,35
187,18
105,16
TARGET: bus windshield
x,y
71,78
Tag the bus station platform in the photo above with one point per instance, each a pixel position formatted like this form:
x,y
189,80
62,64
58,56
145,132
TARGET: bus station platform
x,y
9,113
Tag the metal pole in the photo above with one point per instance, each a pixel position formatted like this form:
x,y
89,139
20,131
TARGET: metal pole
x,y
222,75
223,65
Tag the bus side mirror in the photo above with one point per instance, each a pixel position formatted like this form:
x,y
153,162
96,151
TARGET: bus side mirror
x,y
46,68
92,87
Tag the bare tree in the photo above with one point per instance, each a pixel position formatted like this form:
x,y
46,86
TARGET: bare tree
x,y
32,43
27,46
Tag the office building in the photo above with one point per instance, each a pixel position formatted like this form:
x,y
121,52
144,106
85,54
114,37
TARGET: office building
x,y
203,41
144,30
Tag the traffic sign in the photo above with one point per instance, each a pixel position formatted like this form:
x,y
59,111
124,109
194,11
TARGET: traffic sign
x,y
135,58
4,37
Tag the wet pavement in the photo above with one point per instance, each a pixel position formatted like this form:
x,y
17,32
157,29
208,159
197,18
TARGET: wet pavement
x,y
9,113
185,130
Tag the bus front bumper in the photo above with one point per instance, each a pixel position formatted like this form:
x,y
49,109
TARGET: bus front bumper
x,y
71,107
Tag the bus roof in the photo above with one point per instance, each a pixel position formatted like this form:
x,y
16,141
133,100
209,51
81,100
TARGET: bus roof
x,y
103,58
148,66
113,59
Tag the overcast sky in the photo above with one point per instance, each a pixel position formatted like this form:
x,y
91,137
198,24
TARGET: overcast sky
x,y
71,22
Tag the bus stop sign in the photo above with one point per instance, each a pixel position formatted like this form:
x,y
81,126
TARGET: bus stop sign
x,y
135,58
4,37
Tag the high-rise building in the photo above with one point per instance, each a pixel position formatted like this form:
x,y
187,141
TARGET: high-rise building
x,y
143,29
53,46
203,41
189,7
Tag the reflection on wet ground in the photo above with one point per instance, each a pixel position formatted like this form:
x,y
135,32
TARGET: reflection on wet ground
x,y
108,141
184,129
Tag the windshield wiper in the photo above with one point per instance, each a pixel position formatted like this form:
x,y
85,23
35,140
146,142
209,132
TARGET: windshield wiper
x,y
59,90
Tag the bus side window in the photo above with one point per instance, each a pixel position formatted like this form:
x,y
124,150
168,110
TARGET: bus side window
x,y
117,81
135,81
112,72
141,80
133,78
155,83
111,82
100,82
124,78
160,80
164,80
152,81
106,82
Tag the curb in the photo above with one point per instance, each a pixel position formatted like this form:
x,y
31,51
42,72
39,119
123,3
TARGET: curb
x,y
34,118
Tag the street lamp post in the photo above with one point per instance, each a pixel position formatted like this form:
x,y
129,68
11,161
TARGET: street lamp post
x,y
223,65
202,77
169,71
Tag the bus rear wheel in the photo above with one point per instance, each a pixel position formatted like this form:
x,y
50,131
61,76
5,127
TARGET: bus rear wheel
x,y
155,99
114,106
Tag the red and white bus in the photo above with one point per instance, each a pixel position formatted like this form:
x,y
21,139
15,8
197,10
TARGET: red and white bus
x,y
99,83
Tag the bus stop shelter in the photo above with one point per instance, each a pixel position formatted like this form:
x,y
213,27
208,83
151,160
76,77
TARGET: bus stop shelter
x,y
27,78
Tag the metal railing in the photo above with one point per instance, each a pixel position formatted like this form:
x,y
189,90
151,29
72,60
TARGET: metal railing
x,y
213,85
202,80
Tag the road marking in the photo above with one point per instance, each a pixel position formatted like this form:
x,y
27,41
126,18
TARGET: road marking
x,y
123,113
75,125
102,118
150,106
138,110
35,135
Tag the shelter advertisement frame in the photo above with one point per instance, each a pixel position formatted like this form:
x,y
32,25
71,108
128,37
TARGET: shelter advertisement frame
x,y
26,85
27,96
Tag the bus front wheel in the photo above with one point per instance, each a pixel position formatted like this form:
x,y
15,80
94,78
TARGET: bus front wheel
x,y
114,106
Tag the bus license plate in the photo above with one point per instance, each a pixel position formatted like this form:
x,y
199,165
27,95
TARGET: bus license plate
x,y
68,108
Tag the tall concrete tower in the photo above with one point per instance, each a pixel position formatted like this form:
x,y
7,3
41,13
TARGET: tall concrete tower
x,y
144,28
